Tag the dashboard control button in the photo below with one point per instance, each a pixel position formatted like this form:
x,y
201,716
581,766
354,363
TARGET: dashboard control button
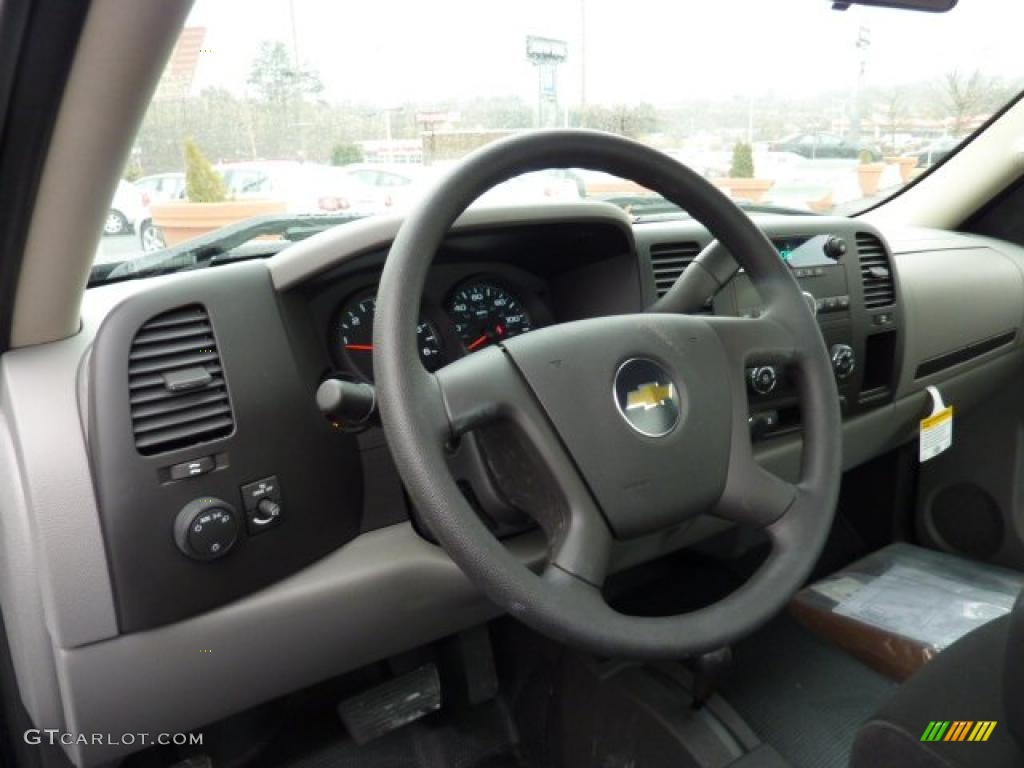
x,y
193,468
265,516
206,529
253,493
843,361
883,318
763,423
763,379
844,302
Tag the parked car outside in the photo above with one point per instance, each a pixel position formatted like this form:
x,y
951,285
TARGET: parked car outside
x,y
304,187
161,187
823,145
127,209
935,152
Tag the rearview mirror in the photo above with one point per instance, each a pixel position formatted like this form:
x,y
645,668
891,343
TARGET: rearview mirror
x,y
931,6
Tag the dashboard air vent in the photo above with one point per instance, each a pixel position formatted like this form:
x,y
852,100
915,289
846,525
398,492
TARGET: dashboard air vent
x,y
668,260
177,391
875,272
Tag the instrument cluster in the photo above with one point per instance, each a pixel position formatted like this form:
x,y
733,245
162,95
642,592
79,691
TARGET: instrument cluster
x,y
478,312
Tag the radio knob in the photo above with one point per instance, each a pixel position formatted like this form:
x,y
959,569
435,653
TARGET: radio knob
x,y
843,361
763,379
835,248
206,529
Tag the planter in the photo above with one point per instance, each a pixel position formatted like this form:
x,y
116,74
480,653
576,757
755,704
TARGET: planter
x,y
907,166
823,204
752,190
183,221
869,175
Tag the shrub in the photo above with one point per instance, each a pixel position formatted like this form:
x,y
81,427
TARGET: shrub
x,y
742,161
133,171
345,153
202,182
866,157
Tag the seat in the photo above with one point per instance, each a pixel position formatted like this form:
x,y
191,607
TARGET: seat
x,y
980,677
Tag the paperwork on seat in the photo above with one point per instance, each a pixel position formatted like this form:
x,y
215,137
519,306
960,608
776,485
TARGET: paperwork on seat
x,y
900,606
919,604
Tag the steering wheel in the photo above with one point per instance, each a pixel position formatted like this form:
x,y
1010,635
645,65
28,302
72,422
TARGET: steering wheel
x,y
616,427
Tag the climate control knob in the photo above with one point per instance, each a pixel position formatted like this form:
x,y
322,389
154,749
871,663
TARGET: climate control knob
x,y
206,528
762,379
843,361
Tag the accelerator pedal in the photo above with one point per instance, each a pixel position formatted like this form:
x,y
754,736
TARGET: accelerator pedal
x,y
388,706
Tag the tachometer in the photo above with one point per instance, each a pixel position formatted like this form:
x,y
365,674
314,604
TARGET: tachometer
x,y
353,338
485,313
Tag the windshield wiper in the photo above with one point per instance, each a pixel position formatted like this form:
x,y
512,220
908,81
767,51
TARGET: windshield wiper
x,y
220,246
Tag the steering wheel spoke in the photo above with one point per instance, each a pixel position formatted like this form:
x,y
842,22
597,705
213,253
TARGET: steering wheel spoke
x,y
485,390
752,494
749,341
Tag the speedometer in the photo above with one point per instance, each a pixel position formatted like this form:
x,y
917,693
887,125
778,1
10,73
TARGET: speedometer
x,y
353,337
485,313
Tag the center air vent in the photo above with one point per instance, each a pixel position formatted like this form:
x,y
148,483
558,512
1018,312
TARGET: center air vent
x,y
668,260
177,391
875,272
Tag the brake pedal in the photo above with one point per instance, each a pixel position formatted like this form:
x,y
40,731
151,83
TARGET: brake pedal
x,y
388,706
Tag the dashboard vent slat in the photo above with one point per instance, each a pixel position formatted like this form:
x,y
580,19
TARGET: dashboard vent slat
x,y
164,419
875,272
668,260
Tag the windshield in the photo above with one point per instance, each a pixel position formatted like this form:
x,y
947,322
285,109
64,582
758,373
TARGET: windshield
x,y
325,112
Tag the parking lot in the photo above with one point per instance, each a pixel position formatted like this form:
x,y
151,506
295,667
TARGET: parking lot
x,y
117,248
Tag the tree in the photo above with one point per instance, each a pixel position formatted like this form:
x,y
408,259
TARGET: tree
x,y
742,161
202,182
277,79
622,119
346,152
963,97
895,102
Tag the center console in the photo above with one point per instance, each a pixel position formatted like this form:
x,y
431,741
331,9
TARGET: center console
x,y
845,271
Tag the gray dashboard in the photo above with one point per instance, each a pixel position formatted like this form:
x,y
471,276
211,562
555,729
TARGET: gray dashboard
x,y
378,588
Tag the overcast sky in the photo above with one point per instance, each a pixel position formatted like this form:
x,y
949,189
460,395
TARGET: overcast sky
x,y
659,51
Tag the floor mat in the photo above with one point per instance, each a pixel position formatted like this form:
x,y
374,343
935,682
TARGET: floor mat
x,y
804,697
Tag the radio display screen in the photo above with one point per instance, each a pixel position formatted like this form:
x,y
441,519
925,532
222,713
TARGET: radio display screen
x,y
803,250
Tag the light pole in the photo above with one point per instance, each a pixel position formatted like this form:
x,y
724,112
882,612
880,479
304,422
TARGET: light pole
x,y
863,44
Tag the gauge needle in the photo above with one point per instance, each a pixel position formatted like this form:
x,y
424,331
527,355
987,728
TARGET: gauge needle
x,y
360,347
478,342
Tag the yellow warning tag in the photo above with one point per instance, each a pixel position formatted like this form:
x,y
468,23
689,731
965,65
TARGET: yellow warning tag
x,y
937,428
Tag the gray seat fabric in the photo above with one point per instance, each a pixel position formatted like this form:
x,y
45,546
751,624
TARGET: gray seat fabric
x,y
980,677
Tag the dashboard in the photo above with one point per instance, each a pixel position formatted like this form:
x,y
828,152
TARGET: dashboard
x,y
180,489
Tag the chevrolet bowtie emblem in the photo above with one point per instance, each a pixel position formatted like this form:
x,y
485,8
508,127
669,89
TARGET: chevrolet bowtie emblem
x,y
648,396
